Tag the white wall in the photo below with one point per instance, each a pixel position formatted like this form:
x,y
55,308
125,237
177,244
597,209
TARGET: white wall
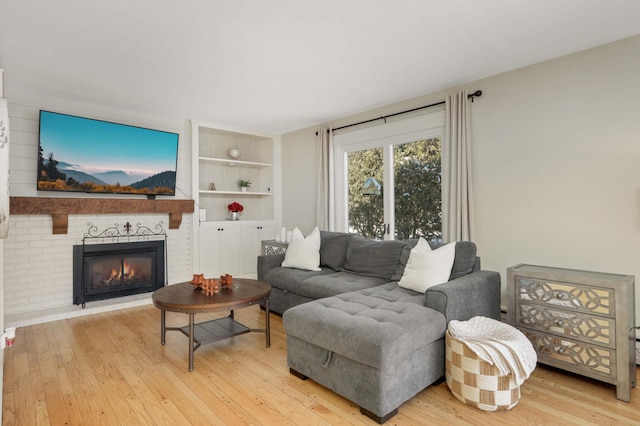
x,y
299,180
37,264
556,163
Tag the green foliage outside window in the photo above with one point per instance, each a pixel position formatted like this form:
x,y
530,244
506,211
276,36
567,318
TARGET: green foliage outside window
x,y
366,212
417,174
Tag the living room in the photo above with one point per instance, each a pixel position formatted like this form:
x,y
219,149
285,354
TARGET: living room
x,y
554,144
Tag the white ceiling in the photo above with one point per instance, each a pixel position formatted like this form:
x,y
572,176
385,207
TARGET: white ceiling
x,y
283,65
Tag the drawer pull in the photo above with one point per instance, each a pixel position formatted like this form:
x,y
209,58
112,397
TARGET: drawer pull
x,y
560,349
559,322
561,295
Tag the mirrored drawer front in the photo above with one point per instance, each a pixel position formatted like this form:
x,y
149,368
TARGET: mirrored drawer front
x,y
567,296
589,329
573,356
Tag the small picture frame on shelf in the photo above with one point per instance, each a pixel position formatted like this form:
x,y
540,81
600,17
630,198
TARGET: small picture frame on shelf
x,y
212,186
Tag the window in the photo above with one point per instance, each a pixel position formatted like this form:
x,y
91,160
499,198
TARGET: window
x,y
404,155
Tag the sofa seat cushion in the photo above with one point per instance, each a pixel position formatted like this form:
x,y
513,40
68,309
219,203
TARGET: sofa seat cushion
x,y
392,292
367,329
289,279
320,286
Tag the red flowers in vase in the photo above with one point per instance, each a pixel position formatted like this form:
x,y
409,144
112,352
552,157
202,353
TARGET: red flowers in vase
x,y
235,207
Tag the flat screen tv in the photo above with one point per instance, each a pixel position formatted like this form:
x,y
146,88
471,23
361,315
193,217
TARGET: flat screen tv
x,y
86,155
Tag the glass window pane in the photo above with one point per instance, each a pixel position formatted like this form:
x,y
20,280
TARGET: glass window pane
x,y
366,207
417,176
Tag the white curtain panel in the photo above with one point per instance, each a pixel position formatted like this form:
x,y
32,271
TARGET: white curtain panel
x,y
457,194
325,191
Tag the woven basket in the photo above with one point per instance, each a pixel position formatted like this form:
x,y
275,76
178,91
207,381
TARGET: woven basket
x,y
476,382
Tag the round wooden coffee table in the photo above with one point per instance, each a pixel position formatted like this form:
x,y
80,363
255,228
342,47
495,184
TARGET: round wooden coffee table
x,y
184,299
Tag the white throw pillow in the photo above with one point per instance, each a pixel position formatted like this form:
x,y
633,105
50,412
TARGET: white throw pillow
x,y
303,253
426,267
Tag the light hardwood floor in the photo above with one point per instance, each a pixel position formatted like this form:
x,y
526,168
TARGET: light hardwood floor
x,y
110,369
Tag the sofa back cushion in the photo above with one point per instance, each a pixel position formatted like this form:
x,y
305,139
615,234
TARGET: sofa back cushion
x,y
333,249
376,258
465,259
462,264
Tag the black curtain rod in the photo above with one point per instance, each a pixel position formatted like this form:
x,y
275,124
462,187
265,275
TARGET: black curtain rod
x,y
477,93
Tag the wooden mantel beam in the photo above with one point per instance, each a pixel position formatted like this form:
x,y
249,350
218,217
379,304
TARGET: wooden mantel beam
x,y
61,208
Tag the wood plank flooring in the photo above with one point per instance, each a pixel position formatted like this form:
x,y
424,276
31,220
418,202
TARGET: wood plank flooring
x,y
110,369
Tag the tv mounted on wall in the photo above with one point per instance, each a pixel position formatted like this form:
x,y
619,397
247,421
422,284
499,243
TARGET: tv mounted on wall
x,y
87,155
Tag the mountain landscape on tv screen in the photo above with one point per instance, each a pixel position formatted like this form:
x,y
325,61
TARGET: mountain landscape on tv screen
x,y
111,177
56,175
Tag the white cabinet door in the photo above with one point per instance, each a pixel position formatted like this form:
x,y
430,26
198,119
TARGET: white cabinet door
x,y
252,236
267,231
220,250
249,238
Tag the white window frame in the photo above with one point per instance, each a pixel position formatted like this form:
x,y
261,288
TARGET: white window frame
x,y
427,126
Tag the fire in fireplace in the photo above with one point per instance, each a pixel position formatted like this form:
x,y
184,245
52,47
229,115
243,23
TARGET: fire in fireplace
x,y
104,271
119,270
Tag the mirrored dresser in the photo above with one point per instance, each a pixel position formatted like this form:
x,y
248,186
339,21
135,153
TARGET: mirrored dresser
x,y
579,321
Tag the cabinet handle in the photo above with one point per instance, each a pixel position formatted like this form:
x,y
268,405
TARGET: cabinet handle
x,y
559,322
561,296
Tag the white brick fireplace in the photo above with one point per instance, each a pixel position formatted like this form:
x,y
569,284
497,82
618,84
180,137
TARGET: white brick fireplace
x,y
38,265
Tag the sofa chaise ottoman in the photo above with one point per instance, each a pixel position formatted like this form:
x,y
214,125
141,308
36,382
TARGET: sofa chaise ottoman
x,y
354,329
374,349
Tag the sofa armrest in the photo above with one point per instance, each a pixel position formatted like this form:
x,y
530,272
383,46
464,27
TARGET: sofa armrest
x,y
268,262
475,294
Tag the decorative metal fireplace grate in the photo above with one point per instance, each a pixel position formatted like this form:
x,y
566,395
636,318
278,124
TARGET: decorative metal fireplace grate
x,y
118,268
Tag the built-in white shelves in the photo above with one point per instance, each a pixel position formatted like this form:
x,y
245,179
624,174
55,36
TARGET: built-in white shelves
x,y
250,193
232,163
223,157
220,158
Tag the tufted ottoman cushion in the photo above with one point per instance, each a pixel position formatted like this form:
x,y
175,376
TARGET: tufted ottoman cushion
x,y
367,329
376,349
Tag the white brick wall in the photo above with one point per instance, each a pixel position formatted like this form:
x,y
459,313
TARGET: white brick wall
x,y
39,265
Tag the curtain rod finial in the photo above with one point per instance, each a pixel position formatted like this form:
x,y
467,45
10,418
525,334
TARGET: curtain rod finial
x,y
477,93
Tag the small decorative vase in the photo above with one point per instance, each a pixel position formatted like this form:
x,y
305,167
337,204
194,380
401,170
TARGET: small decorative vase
x,y
234,216
243,189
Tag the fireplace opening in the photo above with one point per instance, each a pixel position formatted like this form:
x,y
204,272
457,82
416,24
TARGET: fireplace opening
x,y
104,271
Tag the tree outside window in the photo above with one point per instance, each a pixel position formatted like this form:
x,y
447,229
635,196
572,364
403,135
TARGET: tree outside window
x,y
417,183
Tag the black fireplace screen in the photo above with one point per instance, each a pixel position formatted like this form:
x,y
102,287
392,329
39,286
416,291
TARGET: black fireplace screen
x,y
103,271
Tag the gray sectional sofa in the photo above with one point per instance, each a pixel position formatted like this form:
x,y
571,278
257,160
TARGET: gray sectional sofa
x,y
351,328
